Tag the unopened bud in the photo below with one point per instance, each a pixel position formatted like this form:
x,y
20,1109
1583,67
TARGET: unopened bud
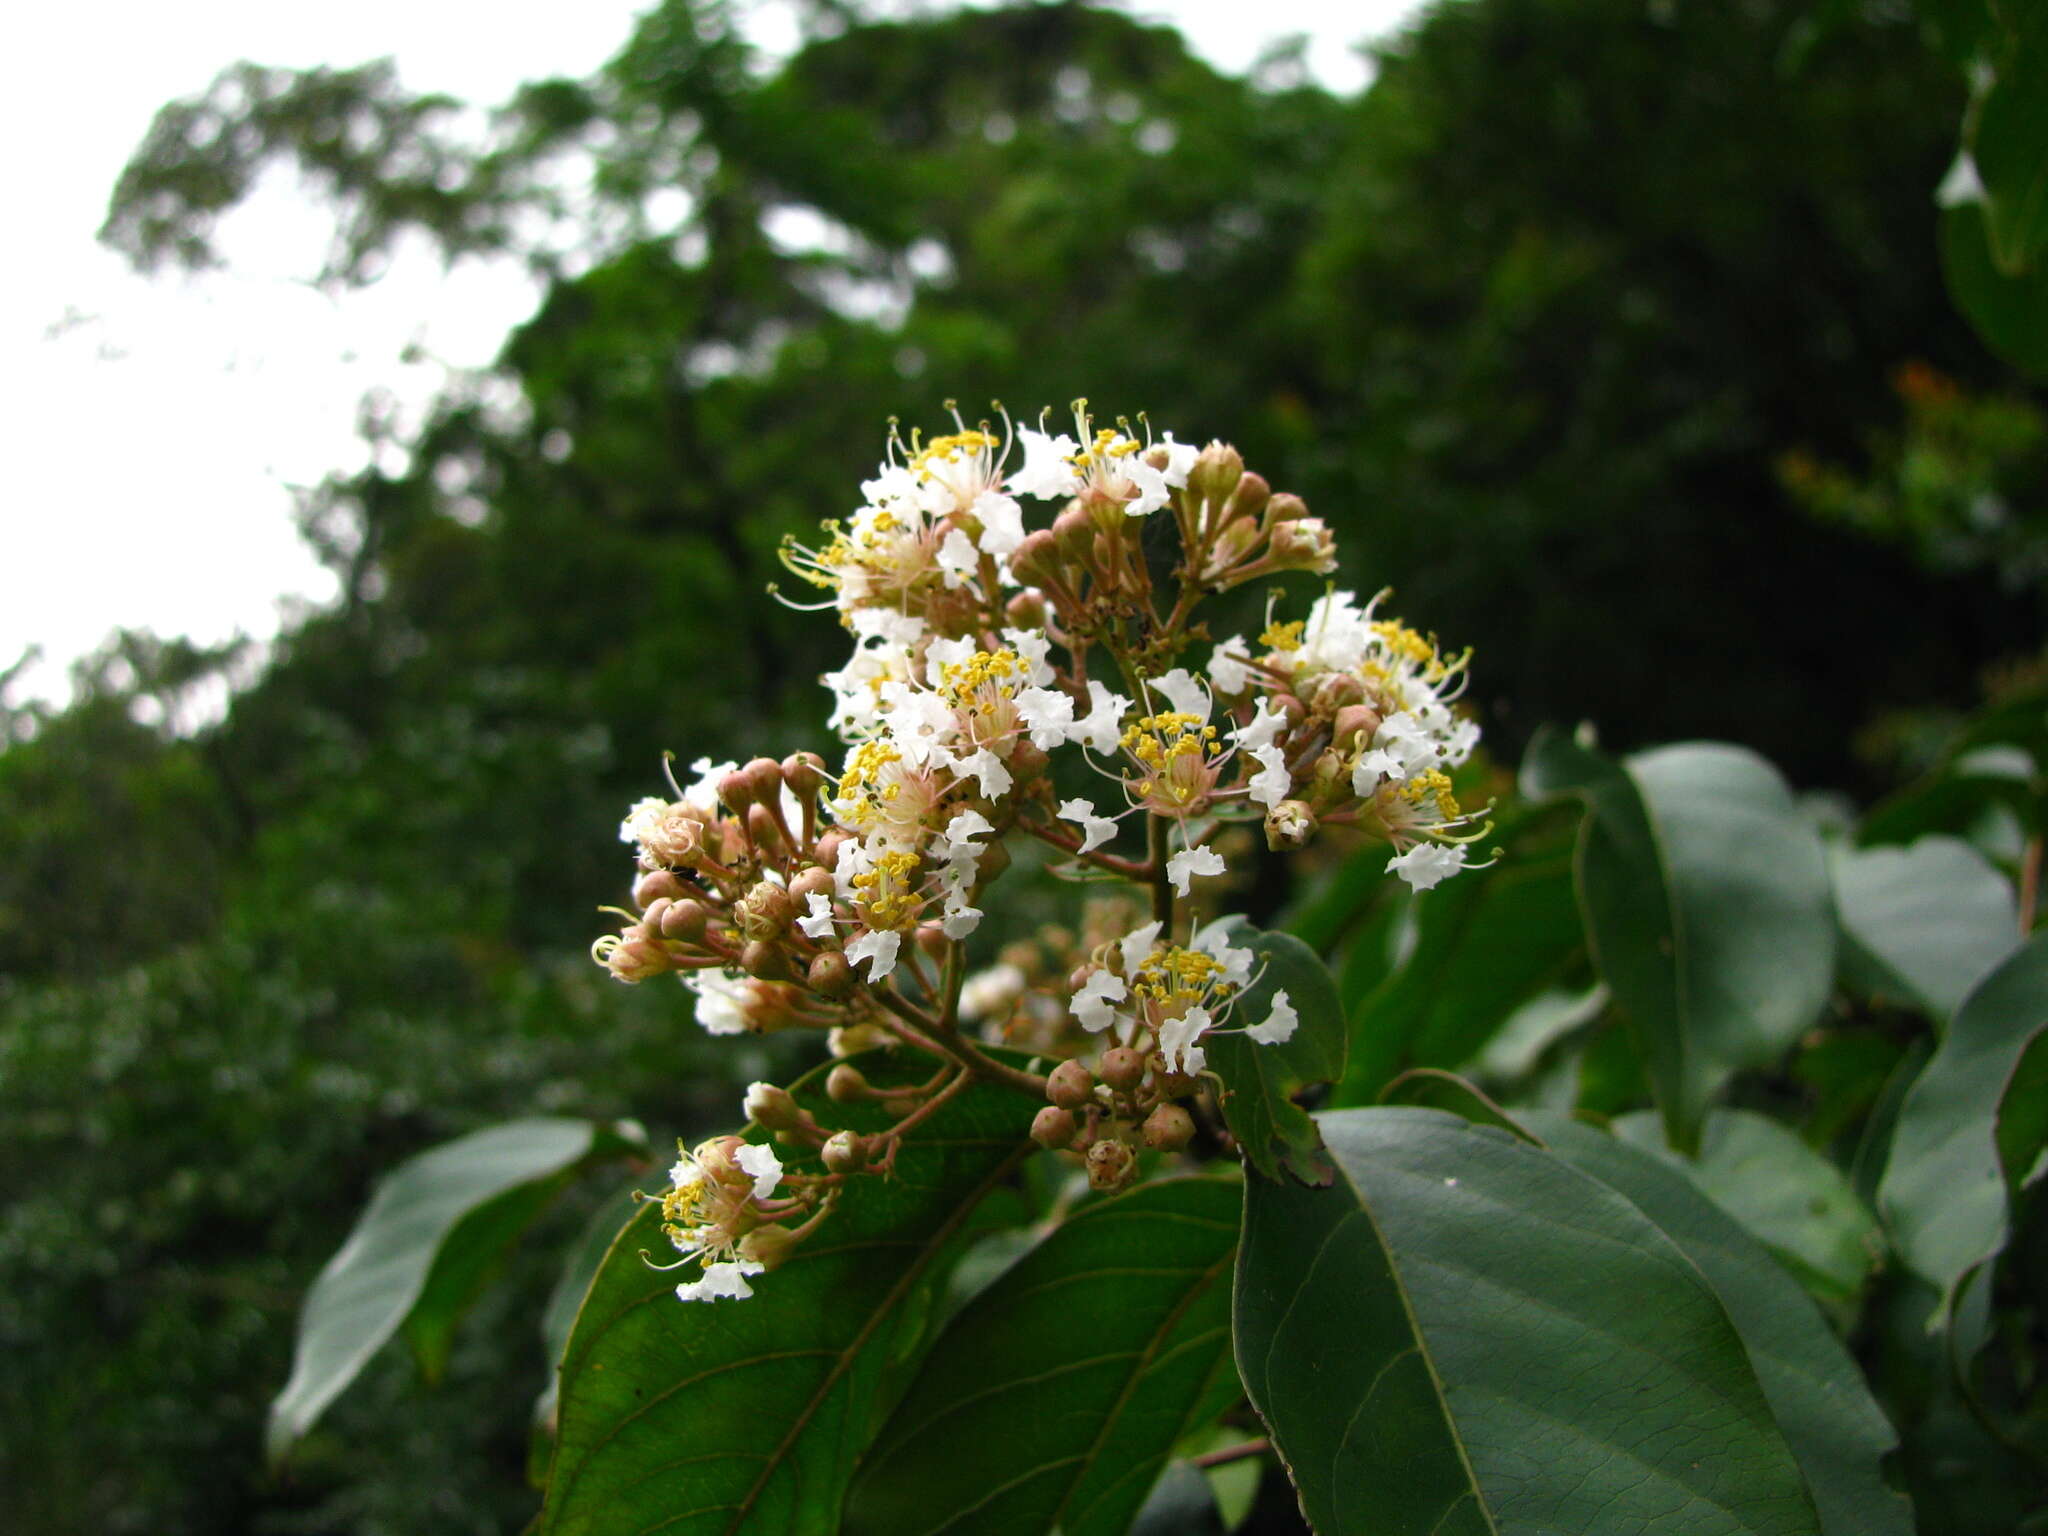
x,y
1053,1128
995,858
931,938
1288,705
1216,471
1027,763
844,1084
650,920
804,773
1329,769
1037,559
811,882
830,974
853,1039
656,885
1070,1085
768,1246
1334,690
767,910
762,830
773,1108
1284,508
843,1152
766,776
1355,724
736,789
1304,544
1026,610
684,920
636,959
826,850
1250,497
765,958
1168,1128
1290,824
1122,1068
1174,1085
1111,1164
1073,532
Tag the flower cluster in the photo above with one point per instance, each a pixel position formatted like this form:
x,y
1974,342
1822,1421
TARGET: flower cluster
x,y
1009,682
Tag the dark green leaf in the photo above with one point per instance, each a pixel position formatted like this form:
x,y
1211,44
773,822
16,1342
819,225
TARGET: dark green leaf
x,y
1057,1394
2009,143
1180,1504
1792,1200
1927,922
1465,1334
1706,899
1271,1129
383,1270
2009,311
1944,1194
1432,1089
1815,1390
746,1416
2022,1131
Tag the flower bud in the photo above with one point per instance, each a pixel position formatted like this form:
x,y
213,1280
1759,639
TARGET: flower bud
x,y
767,910
995,858
811,882
1290,824
650,920
852,1039
1329,769
1026,764
1216,472
1303,544
1168,1128
1250,497
844,1084
773,1108
1053,1128
1037,559
1111,1165
1073,533
1027,610
1334,690
766,775
1284,508
684,920
830,974
1288,705
736,789
762,831
844,1152
635,959
1070,1085
654,886
1356,724
768,1246
1122,1068
804,773
931,938
765,959
826,850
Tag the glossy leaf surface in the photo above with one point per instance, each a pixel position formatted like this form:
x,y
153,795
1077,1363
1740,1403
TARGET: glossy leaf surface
x,y
1465,1334
1055,1397
1926,922
747,1415
1273,1131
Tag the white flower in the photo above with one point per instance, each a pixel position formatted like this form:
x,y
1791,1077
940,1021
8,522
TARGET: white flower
x,y
642,819
1091,1003
1049,714
1189,862
762,1166
1401,748
722,1279
1336,635
1428,864
1150,484
878,949
1032,647
1046,472
1002,523
1214,941
702,792
1262,729
1227,666
1269,786
993,991
1187,696
1180,458
985,766
1280,1023
1103,725
819,922
956,843
957,557
1095,830
1177,1039
961,920
721,1000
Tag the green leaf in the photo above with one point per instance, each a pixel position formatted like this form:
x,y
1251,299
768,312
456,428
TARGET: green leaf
x,y
565,1300
1272,1130
1485,944
2009,143
2008,310
1790,1198
1433,1089
1815,1390
397,1257
1057,1394
1465,1336
1944,1194
1706,899
2022,1129
1181,1503
746,1416
1926,922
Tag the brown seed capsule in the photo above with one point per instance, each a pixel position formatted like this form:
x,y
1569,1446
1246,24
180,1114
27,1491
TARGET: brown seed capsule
x,y
844,1084
1111,1165
1053,1128
844,1152
765,959
655,885
1122,1068
1070,1085
684,920
1168,1128
830,974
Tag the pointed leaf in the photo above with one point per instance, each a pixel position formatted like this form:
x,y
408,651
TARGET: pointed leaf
x,y
1815,1390
382,1272
1465,1336
1943,1193
1271,1129
1925,922
2022,1131
746,1416
1057,1394
1707,902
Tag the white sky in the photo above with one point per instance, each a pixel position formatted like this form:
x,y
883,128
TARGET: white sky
x,y
155,429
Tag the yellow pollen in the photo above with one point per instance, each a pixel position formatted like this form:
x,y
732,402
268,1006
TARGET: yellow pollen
x,y
1434,784
1283,637
888,891
951,444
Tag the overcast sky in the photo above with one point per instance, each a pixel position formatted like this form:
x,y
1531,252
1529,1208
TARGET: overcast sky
x,y
156,428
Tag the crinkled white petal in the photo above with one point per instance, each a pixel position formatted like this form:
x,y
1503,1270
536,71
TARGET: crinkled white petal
x,y
1177,1039
1095,830
1269,786
1180,458
720,1280
1428,864
1046,472
878,949
1002,523
762,1166
1189,862
985,766
958,556
720,994
1136,946
1092,1002
1227,666
819,921
1049,715
1280,1023
1103,725
1150,485
1262,729
1187,696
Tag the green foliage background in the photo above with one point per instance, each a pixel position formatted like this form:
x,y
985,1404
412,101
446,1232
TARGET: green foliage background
x,y
1563,325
